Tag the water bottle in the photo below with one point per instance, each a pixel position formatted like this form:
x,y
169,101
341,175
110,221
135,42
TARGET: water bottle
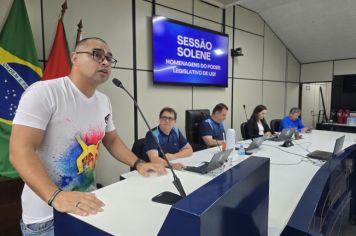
x,y
230,138
242,150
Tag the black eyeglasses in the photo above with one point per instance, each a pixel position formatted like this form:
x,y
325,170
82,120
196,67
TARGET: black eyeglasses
x,y
99,56
167,118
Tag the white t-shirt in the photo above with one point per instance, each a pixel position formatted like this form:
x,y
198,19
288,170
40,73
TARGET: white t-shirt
x,y
74,127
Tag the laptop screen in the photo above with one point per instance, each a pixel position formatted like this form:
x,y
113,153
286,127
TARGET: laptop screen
x,y
287,133
338,145
256,142
219,159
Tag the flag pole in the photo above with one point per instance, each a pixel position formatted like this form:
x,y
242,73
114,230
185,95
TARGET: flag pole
x,y
58,63
79,31
64,8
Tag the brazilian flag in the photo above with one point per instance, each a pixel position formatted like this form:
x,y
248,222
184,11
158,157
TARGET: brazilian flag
x,y
19,68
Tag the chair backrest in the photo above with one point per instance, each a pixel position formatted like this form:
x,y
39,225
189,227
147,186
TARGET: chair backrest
x,y
243,128
193,118
137,148
275,125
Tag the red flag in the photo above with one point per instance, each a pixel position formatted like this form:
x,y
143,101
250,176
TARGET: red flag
x,y
58,64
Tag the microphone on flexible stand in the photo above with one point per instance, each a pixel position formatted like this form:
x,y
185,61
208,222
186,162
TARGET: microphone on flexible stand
x,y
245,111
165,197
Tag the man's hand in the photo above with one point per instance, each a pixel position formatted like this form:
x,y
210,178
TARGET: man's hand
x,y
178,166
78,203
144,168
170,156
306,130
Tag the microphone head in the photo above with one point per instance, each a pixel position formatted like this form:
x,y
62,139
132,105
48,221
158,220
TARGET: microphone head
x,y
117,83
244,106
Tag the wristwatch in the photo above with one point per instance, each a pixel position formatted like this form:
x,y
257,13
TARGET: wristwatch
x,y
138,161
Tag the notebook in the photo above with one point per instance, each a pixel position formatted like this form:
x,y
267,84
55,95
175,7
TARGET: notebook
x,y
286,134
325,156
216,161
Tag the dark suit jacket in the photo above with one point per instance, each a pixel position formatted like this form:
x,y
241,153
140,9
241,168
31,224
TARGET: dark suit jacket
x,y
252,129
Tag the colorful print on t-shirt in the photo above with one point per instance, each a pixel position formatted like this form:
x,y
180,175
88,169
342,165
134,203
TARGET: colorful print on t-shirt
x,y
77,164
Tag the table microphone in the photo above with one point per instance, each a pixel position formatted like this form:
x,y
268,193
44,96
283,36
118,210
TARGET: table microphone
x,y
245,111
165,197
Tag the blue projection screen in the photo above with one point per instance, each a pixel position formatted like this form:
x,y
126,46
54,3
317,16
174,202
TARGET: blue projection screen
x,y
186,54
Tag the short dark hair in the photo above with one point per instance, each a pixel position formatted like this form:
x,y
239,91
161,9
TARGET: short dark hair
x,y
294,110
219,107
85,40
169,110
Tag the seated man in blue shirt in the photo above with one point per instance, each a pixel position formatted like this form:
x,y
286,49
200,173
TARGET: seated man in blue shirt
x,y
173,143
211,130
293,121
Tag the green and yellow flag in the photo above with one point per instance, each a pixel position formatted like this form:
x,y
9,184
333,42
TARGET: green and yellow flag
x,y
19,68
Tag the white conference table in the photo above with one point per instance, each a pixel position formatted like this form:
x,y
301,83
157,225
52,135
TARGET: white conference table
x,y
130,211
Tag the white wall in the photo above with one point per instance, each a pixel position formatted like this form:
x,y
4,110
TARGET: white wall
x,y
344,67
249,66
265,74
248,21
314,72
273,95
275,54
248,93
292,89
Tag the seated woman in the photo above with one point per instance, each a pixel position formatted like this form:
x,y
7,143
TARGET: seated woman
x,y
257,125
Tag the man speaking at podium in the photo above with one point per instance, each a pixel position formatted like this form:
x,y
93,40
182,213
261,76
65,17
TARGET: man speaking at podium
x,y
55,139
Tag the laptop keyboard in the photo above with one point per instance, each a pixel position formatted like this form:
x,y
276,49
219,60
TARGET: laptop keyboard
x,y
276,139
198,169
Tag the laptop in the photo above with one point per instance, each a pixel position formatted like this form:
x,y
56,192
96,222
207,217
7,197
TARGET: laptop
x,y
325,156
215,162
256,143
286,134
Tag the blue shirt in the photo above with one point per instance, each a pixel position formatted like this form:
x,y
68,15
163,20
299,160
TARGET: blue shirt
x,y
209,127
171,143
286,122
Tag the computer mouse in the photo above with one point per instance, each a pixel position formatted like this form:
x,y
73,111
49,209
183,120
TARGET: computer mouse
x,y
287,143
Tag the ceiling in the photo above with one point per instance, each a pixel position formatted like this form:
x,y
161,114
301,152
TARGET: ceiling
x,y
313,30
